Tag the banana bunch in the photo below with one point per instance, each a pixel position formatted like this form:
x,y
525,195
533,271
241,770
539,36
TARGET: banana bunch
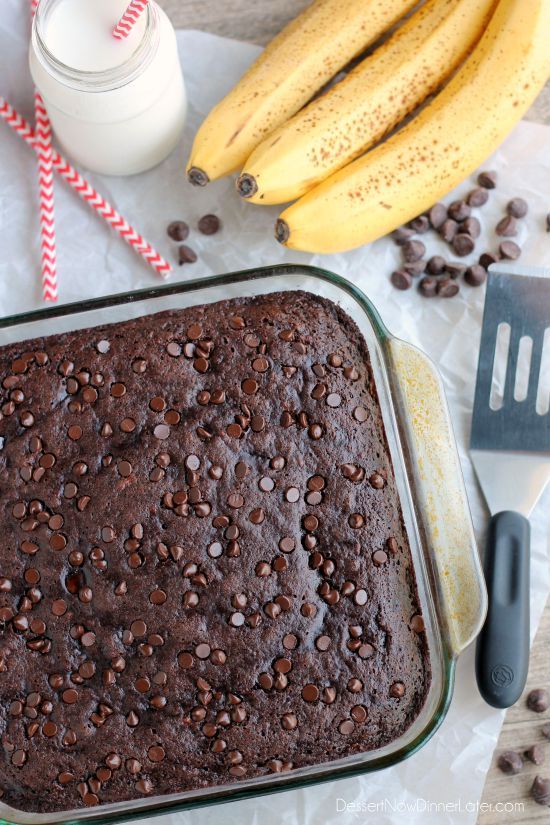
x,y
296,64
360,110
494,51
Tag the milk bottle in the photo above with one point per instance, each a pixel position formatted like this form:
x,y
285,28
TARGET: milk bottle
x,y
116,106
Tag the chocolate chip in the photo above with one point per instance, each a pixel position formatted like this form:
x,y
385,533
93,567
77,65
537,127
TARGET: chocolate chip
x,y
379,558
488,258
463,244
289,721
413,251
477,197
186,255
510,762
356,521
292,494
401,279
509,250
359,714
448,230
70,696
437,215
414,268
310,693
455,269
472,227
538,700
475,275
402,235
535,754
420,225
202,651
428,287
397,690
360,414
459,211
178,231
209,224
156,753
488,180
346,727
436,265
417,623
18,758
322,643
447,288
540,790
507,227
360,597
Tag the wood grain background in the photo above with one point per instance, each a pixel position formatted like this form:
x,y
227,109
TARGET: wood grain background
x,y
257,21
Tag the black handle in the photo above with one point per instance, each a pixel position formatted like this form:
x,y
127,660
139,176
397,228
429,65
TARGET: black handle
x,y
502,654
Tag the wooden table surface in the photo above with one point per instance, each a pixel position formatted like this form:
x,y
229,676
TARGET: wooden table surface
x,y
257,21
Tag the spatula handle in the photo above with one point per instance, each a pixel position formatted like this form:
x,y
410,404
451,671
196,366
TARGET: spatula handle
x,y
502,655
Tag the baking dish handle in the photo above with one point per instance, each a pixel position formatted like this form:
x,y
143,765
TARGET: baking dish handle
x,y
440,499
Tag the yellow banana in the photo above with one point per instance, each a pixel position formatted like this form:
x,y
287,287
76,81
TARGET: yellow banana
x,y
342,124
450,138
298,62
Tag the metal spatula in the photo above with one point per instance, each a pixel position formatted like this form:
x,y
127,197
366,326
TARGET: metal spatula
x,y
510,450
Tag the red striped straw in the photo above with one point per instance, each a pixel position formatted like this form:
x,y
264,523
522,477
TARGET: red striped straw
x,y
88,194
45,180
129,19
47,215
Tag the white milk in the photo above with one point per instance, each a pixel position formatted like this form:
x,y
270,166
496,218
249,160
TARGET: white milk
x,y
116,106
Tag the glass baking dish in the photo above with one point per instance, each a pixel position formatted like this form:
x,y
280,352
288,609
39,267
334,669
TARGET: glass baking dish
x,y
450,582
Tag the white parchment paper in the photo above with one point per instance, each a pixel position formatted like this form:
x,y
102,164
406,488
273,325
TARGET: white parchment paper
x,y
93,261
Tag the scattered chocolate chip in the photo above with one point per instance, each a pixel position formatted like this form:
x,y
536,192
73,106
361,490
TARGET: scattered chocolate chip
x,y
186,255
540,791
420,225
463,244
209,224
414,268
488,258
436,265
507,227
535,754
178,231
401,279
413,251
472,227
402,235
475,275
517,208
538,700
448,230
509,250
477,197
459,211
428,287
487,180
510,762
437,215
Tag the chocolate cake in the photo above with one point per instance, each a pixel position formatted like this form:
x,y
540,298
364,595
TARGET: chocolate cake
x,y
205,575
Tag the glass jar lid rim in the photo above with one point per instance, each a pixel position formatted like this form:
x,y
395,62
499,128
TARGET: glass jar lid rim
x,y
104,79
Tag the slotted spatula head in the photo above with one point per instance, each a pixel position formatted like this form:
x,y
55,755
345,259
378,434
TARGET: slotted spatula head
x,y
510,438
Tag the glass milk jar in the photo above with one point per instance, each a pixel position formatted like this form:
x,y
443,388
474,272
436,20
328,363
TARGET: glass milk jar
x,y
117,107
